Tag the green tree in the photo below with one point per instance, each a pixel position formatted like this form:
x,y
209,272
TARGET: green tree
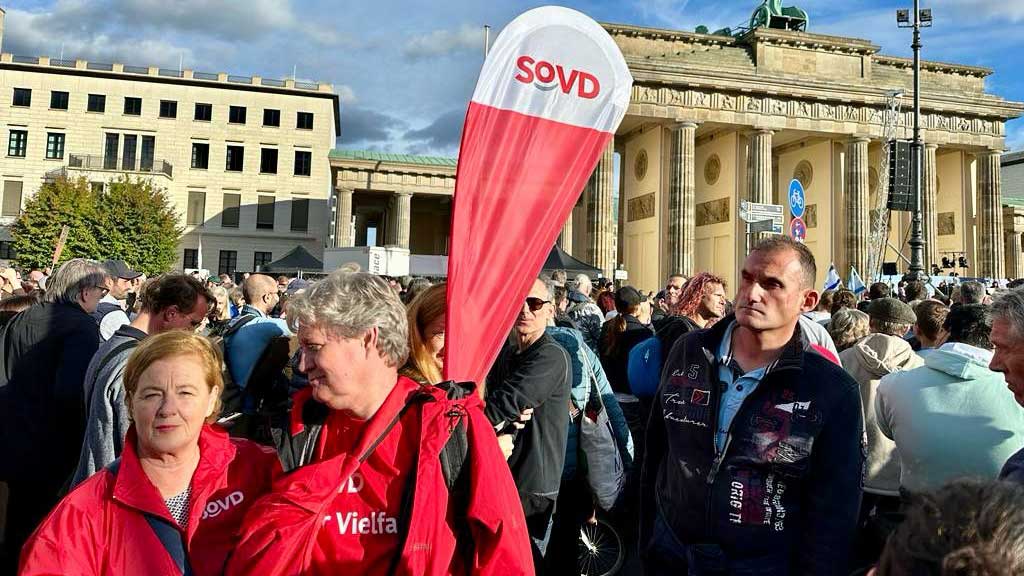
x,y
56,204
138,225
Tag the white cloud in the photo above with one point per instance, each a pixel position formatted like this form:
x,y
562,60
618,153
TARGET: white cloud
x,y
1012,10
445,42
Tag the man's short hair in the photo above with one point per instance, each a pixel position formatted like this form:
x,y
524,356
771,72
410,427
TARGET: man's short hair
x,y
1009,306
825,302
777,243
581,281
915,291
970,324
549,286
879,290
74,277
558,277
931,315
256,286
972,292
179,290
844,299
561,293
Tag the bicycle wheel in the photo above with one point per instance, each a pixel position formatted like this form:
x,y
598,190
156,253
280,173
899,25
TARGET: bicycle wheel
x,y
601,551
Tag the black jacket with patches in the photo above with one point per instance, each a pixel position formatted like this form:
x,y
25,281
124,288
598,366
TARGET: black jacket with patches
x,y
785,492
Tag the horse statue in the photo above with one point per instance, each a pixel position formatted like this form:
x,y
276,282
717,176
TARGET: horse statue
x,y
771,14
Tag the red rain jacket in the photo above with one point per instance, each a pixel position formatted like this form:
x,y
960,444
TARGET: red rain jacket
x,y
280,531
100,528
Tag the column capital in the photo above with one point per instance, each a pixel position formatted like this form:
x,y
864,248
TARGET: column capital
x,y
340,188
683,124
992,152
860,138
403,193
755,131
931,146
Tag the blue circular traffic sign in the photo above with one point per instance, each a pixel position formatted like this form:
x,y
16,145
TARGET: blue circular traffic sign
x,y
796,198
797,229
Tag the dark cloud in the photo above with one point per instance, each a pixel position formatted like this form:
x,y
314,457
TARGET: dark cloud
x,y
443,134
362,126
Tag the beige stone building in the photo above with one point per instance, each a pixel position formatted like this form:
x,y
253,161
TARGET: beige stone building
x,y
715,120
243,159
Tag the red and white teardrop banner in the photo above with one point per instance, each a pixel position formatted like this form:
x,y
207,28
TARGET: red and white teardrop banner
x,y
551,94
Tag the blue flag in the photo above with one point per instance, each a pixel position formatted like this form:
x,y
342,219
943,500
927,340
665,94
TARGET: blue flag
x,y
832,279
855,284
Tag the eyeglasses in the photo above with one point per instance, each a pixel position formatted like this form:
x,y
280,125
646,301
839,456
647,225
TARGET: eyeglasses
x,y
103,290
536,304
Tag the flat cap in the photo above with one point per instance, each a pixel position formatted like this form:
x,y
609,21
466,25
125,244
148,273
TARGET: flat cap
x,y
891,310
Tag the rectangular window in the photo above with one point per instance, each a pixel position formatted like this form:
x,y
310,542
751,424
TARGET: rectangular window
x,y
110,151
148,149
17,144
229,215
261,259
97,103
304,121
97,187
204,112
7,251
303,162
168,109
265,213
235,159
200,155
268,161
300,214
22,97
271,117
132,106
228,262
236,115
54,145
58,100
196,208
191,259
131,141
12,198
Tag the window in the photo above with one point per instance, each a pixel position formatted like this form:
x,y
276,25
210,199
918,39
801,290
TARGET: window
x,y
110,151
229,215
204,112
200,155
235,158
131,141
261,259
196,208
58,100
268,161
304,121
265,213
17,144
191,259
7,250
97,103
271,117
228,262
236,115
97,187
300,214
303,162
54,145
132,106
12,198
22,97
168,109
148,146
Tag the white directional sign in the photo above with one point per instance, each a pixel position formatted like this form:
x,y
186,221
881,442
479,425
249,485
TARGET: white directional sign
x,y
755,212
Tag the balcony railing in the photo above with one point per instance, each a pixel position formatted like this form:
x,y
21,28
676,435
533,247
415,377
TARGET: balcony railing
x,y
117,164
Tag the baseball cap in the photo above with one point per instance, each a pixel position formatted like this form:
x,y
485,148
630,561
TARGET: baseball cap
x,y
214,280
297,286
891,310
118,269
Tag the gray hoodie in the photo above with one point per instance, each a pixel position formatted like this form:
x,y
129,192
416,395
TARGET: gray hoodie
x,y
871,358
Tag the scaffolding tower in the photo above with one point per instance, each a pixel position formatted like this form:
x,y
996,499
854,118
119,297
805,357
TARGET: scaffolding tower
x,y
880,216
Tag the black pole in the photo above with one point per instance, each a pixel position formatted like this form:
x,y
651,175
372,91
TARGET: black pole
x,y
916,242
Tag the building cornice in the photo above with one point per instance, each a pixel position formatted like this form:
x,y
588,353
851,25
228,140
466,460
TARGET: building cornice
x,y
935,66
806,40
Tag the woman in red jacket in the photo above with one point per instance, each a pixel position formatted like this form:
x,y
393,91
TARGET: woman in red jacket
x,y
176,497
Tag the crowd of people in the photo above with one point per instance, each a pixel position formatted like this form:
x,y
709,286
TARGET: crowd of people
x,y
184,424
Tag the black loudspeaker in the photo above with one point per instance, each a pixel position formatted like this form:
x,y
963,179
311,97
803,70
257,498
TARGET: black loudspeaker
x,y
902,197
889,269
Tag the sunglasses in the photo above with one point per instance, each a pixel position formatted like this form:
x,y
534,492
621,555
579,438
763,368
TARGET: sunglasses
x,y
535,304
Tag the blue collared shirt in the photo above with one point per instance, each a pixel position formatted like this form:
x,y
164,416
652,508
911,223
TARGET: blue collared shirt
x,y
736,386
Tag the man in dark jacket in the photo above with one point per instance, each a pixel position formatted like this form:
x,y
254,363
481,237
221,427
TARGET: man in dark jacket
x,y
44,352
753,463
533,371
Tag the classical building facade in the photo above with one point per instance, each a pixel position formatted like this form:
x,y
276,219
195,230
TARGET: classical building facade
x,y
715,120
242,159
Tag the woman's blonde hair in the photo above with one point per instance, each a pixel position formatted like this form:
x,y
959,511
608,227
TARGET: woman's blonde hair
x,y
172,344
428,306
223,312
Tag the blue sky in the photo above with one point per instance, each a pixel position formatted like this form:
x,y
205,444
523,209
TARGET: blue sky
x,y
405,69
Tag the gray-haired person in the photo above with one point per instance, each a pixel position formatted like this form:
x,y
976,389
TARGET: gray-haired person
x,y
1007,338
44,352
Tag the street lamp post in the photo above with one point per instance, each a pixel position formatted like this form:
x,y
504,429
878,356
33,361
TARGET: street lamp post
x,y
922,19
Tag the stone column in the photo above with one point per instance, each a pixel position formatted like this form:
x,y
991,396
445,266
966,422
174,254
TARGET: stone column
x,y
681,200
990,217
759,167
858,219
343,236
565,238
600,215
929,206
1014,257
403,217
